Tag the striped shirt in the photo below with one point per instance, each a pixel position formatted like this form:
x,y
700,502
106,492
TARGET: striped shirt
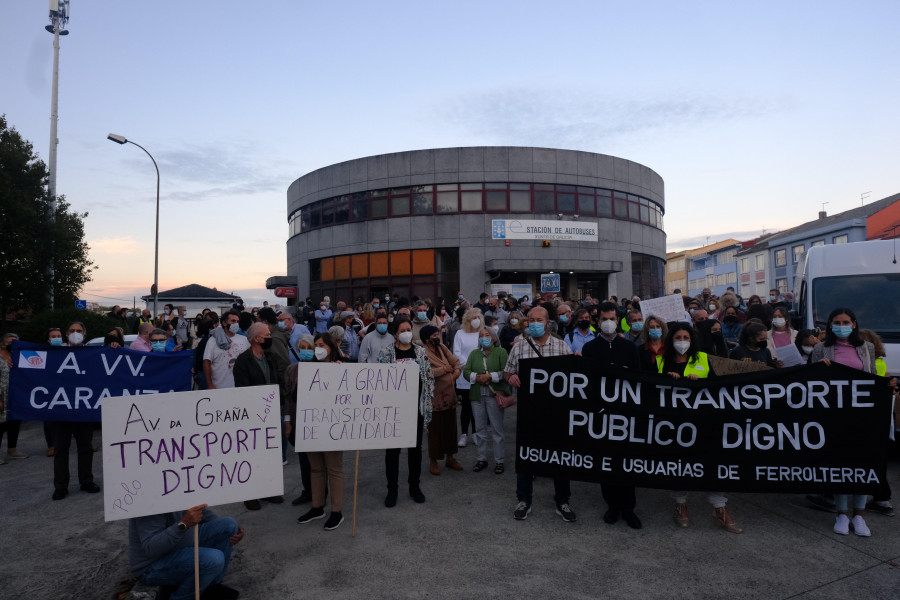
x,y
522,349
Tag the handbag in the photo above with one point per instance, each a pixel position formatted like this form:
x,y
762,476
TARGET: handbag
x,y
503,400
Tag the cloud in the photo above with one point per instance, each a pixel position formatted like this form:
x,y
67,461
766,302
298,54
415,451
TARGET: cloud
x,y
702,240
116,245
584,119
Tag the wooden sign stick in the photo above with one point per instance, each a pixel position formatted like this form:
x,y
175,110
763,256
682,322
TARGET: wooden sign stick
x,y
197,561
355,484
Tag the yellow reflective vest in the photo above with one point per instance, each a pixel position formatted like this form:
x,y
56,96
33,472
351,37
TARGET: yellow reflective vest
x,y
698,366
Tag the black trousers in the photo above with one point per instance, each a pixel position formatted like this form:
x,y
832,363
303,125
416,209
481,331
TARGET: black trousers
x,y
466,419
11,428
619,497
62,438
413,459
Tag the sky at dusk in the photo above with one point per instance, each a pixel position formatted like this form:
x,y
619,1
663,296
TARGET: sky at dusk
x,y
754,114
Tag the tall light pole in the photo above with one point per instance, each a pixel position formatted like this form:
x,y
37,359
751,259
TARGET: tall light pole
x,y
59,16
119,139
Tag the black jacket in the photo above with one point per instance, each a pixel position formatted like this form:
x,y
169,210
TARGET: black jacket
x,y
617,353
247,373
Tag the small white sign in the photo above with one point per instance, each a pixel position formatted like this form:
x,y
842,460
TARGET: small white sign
x,y
668,308
356,406
168,452
514,229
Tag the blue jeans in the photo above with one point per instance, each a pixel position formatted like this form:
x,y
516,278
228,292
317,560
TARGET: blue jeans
x,y
525,485
177,568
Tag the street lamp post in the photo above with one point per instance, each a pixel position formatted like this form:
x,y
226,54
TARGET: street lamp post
x,y
122,140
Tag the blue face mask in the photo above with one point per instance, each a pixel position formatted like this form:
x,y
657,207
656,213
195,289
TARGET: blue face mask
x,y
376,306
637,326
655,333
535,330
282,325
381,328
422,315
563,318
307,354
328,304
842,331
485,342
461,297
158,346
56,341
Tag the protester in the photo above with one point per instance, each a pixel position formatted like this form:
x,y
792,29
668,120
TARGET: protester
x,y
327,468
10,427
349,344
484,370
635,320
420,320
257,366
537,343
377,340
159,341
844,345
404,351
306,350
466,340
222,351
653,336
611,351
445,367
683,358
806,341
161,551
711,339
731,326
753,345
781,334
581,333
323,316
63,431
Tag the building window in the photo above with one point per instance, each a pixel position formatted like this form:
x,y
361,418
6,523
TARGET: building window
x,y
745,265
781,284
780,257
839,239
798,253
648,275
760,261
818,243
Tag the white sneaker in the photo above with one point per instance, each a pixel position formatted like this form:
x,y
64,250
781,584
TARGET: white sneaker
x,y
842,524
859,526
463,440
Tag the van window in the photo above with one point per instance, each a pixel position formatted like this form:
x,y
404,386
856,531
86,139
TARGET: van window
x,y
866,295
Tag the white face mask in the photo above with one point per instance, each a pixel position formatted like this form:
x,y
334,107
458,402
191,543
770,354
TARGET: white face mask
x,y
608,327
513,322
234,327
808,349
75,338
321,353
681,347
712,307
778,322
476,323
405,337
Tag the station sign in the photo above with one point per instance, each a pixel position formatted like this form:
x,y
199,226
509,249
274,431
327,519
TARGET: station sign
x,y
286,292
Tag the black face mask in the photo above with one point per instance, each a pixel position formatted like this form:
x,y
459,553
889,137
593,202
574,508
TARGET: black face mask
x,y
8,347
731,320
266,343
584,324
436,342
762,344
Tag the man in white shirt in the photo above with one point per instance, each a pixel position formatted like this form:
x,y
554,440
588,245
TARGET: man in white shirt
x,y
218,362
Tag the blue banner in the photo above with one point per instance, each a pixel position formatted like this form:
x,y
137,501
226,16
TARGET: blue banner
x,y
58,383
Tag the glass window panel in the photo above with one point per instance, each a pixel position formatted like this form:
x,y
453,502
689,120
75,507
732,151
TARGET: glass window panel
x,y
342,267
543,201
519,201
565,188
840,239
604,206
422,262
400,206
447,187
447,202
585,190
586,205
304,219
315,218
645,214
315,270
378,264
495,186
621,207
448,262
565,203
520,186
400,191
780,258
470,201
342,210
495,201
633,198
327,214
359,265
634,211
544,187
376,193
378,208
359,207
423,203
327,269
470,186
399,263
818,243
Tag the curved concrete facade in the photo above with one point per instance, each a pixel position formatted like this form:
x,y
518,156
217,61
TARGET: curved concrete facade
x,y
601,267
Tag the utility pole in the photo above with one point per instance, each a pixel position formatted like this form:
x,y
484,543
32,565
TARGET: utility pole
x,y
862,197
59,16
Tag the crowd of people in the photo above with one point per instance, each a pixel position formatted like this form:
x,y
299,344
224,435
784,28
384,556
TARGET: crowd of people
x,y
467,356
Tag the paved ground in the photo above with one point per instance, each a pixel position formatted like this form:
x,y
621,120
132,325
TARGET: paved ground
x,y
462,543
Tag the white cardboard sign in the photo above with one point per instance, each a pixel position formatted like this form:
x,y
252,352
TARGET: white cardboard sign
x,y
356,406
168,452
668,308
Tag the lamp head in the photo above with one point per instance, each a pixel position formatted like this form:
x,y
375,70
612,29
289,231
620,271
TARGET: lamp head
x,y
119,139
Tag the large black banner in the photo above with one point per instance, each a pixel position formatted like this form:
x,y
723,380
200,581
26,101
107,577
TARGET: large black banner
x,y
813,428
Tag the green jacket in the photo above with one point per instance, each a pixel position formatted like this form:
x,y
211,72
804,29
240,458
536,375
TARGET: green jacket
x,y
496,362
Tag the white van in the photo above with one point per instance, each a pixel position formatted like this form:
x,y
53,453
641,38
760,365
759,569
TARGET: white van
x,y
862,276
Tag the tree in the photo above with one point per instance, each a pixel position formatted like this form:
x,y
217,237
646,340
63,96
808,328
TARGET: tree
x,y
31,242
